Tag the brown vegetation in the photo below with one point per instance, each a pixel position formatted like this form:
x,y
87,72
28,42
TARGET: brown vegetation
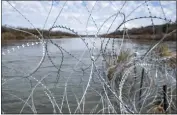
x,y
146,33
164,51
10,35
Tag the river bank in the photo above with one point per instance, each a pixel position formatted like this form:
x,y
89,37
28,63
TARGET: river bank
x,y
144,37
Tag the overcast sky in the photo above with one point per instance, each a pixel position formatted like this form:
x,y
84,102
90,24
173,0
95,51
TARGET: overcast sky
x,y
75,14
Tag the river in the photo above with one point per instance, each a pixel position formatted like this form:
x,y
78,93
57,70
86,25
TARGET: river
x,y
17,86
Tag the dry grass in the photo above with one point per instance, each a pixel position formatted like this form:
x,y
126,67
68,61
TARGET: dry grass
x,y
163,50
124,55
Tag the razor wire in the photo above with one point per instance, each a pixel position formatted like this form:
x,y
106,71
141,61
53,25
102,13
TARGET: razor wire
x,y
134,84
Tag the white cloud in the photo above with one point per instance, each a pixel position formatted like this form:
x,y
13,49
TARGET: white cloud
x,y
75,14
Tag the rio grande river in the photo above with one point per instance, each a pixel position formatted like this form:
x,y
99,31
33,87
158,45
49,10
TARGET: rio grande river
x,y
25,94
